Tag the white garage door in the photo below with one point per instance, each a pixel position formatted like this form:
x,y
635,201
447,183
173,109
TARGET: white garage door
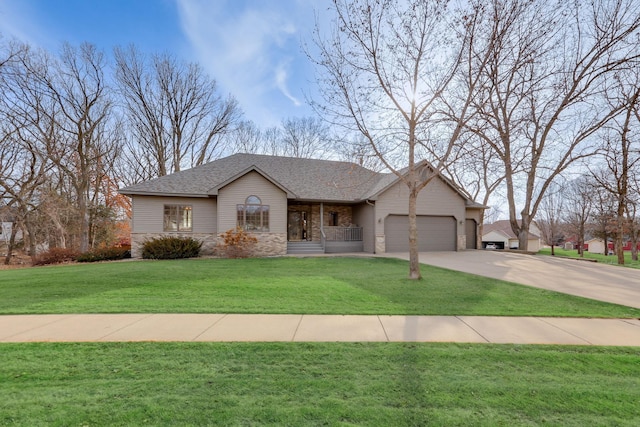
x,y
435,233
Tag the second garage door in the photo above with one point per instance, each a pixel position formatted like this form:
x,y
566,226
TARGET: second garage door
x,y
435,233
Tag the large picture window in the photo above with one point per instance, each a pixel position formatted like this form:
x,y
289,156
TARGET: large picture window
x,y
253,215
177,217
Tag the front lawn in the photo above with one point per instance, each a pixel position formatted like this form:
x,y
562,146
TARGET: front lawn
x,y
601,258
398,384
280,285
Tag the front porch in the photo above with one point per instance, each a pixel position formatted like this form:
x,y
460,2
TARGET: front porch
x,y
322,228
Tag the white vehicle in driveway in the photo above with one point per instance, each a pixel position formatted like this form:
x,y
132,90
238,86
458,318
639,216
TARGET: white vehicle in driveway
x,y
491,246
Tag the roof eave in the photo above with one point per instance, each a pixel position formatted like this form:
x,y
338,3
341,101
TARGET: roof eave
x,y
317,200
161,194
477,206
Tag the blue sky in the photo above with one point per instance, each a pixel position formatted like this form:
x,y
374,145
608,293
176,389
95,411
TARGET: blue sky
x,y
251,47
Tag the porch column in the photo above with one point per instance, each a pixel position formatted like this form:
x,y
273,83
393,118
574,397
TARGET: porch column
x,y
321,219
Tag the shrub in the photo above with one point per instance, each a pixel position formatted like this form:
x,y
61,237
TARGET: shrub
x,y
171,247
56,256
105,254
237,243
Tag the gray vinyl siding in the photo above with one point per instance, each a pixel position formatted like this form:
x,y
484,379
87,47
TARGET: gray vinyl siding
x,y
363,216
475,214
436,199
472,233
148,213
252,184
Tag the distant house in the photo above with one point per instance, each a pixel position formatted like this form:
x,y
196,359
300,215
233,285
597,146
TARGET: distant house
x,y
595,246
297,205
6,225
502,236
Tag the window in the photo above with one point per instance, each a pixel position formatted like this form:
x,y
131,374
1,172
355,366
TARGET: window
x,y
253,215
333,218
177,217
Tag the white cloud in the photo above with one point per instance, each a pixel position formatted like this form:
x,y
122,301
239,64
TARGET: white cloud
x,y
19,20
281,82
250,48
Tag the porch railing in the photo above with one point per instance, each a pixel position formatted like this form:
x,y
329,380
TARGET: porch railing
x,y
343,234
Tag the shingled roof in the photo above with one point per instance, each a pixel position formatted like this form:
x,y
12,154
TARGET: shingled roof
x,y
302,179
306,179
504,226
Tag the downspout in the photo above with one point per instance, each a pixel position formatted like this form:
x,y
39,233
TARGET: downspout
x,y
373,229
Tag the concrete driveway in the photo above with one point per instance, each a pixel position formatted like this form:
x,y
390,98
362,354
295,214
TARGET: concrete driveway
x,y
602,282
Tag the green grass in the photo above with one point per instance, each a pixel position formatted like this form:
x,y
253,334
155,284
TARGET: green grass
x,y
317,384
87,384
604,259
280,285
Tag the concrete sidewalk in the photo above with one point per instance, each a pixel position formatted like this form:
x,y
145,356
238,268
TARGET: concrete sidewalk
x,y
316,328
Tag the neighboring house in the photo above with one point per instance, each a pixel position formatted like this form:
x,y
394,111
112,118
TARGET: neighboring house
x,y
502,236
6,225
5,231
595,246
293,205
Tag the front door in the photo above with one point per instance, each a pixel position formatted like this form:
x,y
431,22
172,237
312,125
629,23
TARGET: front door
x,y
297,225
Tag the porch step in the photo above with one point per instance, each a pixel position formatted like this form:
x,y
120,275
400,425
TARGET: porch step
x,y
304,247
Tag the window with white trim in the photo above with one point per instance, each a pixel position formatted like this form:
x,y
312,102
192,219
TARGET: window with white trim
x,y
178,217
253,215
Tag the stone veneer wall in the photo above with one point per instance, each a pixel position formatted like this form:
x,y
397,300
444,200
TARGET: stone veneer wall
x,y
269,244
345,215
209,241
315,223
345,218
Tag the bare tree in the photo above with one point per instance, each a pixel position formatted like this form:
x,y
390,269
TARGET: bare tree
x,y
22,171
66,107
479,171
383,71
10,53
23,164
305,137
543,96
355,148
621,157
633,199
550,218
84,117
578,209
245,138
604,214
633,215
176,116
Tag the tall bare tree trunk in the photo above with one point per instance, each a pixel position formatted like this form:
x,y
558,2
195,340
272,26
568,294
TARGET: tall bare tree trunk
x,y
620,235
523,231
11,244
83,211
414,262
